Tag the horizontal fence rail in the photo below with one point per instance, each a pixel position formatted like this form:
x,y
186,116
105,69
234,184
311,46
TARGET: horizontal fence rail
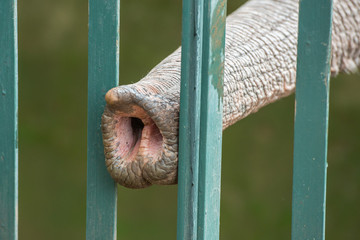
x,y
103,74
8,121
311,120
203,55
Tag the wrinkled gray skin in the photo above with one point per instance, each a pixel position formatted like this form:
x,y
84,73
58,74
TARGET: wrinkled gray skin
x,y
140,122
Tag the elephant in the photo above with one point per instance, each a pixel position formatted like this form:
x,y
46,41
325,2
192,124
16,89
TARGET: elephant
x,y
140,120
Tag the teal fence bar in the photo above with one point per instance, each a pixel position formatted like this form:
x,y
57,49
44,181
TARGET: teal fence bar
x,y
8,120
311,120
189,125
103,74
203,57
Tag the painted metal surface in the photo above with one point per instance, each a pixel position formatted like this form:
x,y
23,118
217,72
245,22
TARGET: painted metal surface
x,y
311,120
103,74
8,120
189,125
202,72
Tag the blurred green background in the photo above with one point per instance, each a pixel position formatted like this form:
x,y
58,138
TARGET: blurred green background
x,y
257,152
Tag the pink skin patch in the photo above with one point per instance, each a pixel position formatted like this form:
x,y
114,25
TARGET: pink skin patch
x,y
127,139
151,141
137,134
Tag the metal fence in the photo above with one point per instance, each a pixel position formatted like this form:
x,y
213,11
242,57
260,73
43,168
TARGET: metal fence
x,y
8,120
200,144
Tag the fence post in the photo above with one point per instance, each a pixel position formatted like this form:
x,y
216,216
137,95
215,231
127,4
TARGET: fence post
x,y
311,120
8,120
103,74
200,126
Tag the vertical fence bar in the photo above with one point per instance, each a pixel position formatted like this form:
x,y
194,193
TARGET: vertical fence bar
x,y
202,72
189,125
103,64
211,119
8,120
311,120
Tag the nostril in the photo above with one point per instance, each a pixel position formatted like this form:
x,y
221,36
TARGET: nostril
x,y
137,126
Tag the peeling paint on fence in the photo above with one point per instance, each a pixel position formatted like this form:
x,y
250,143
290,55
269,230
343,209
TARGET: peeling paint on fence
x,y
201,98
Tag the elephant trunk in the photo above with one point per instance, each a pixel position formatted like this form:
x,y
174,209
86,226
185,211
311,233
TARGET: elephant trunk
x,y
140,128
140,122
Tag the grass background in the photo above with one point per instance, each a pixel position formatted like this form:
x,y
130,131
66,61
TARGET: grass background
x,y
257,151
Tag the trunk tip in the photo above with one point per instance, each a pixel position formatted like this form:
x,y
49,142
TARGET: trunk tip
x,y
111,97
